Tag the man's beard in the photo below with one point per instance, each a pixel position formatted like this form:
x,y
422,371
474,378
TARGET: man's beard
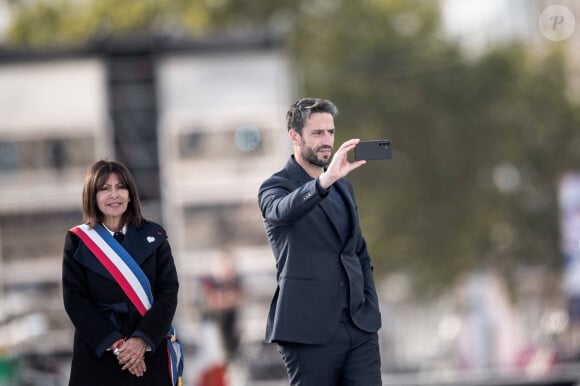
x,y
311,157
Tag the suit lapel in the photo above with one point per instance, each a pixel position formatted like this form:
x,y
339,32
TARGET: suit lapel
x,y
327,208
343,189
300,177
85,257
141,243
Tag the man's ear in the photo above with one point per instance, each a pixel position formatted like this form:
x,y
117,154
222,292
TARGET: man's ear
x,y
294,136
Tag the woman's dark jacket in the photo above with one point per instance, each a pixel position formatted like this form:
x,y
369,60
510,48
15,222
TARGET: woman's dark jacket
x,y
102,314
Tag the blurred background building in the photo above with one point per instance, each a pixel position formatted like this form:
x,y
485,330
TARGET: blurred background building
x,y
202,122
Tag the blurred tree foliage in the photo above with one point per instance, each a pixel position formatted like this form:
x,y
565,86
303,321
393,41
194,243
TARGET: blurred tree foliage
x,y
479,142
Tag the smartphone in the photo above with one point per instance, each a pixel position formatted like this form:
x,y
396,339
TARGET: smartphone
x,y
373,150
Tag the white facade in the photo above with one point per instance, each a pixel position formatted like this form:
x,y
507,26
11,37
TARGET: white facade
x,y
52,125
209,180
60,103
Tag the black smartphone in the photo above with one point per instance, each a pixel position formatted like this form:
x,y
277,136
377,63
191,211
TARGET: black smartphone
x,y
373,150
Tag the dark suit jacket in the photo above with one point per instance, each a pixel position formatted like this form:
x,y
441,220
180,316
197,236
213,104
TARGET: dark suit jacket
x,y
101,313
299,224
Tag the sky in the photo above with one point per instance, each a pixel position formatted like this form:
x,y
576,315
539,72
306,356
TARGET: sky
x,y
480,22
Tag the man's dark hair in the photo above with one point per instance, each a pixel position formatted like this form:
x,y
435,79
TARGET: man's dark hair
x,y
301,110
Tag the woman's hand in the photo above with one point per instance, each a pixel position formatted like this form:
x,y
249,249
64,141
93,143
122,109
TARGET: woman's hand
x,y
131,356
139,368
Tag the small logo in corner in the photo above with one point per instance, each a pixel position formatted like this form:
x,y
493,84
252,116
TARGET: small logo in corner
x,y
557,23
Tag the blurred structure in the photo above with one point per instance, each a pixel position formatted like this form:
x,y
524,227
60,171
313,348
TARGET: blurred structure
x,y
199,123
569,200
488,335
53,123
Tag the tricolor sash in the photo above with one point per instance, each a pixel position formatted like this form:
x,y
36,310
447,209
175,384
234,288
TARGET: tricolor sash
x,y
133,281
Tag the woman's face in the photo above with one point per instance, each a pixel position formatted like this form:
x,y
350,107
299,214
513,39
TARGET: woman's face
x,y
113,198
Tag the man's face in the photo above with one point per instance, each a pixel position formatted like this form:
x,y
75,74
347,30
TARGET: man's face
x,y
317,139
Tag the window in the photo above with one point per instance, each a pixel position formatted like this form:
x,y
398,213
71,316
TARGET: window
x,y
229,224
40,154
231,144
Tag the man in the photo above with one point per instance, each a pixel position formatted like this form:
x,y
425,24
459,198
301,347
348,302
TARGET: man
x,y
325,314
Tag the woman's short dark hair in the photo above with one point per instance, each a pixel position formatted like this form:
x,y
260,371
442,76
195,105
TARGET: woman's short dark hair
x,y
301,110
96,178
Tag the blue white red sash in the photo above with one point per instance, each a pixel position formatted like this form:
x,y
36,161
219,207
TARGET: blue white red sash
x,y
132,281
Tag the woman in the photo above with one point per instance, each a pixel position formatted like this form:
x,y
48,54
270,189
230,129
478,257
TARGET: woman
x,y
116,341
